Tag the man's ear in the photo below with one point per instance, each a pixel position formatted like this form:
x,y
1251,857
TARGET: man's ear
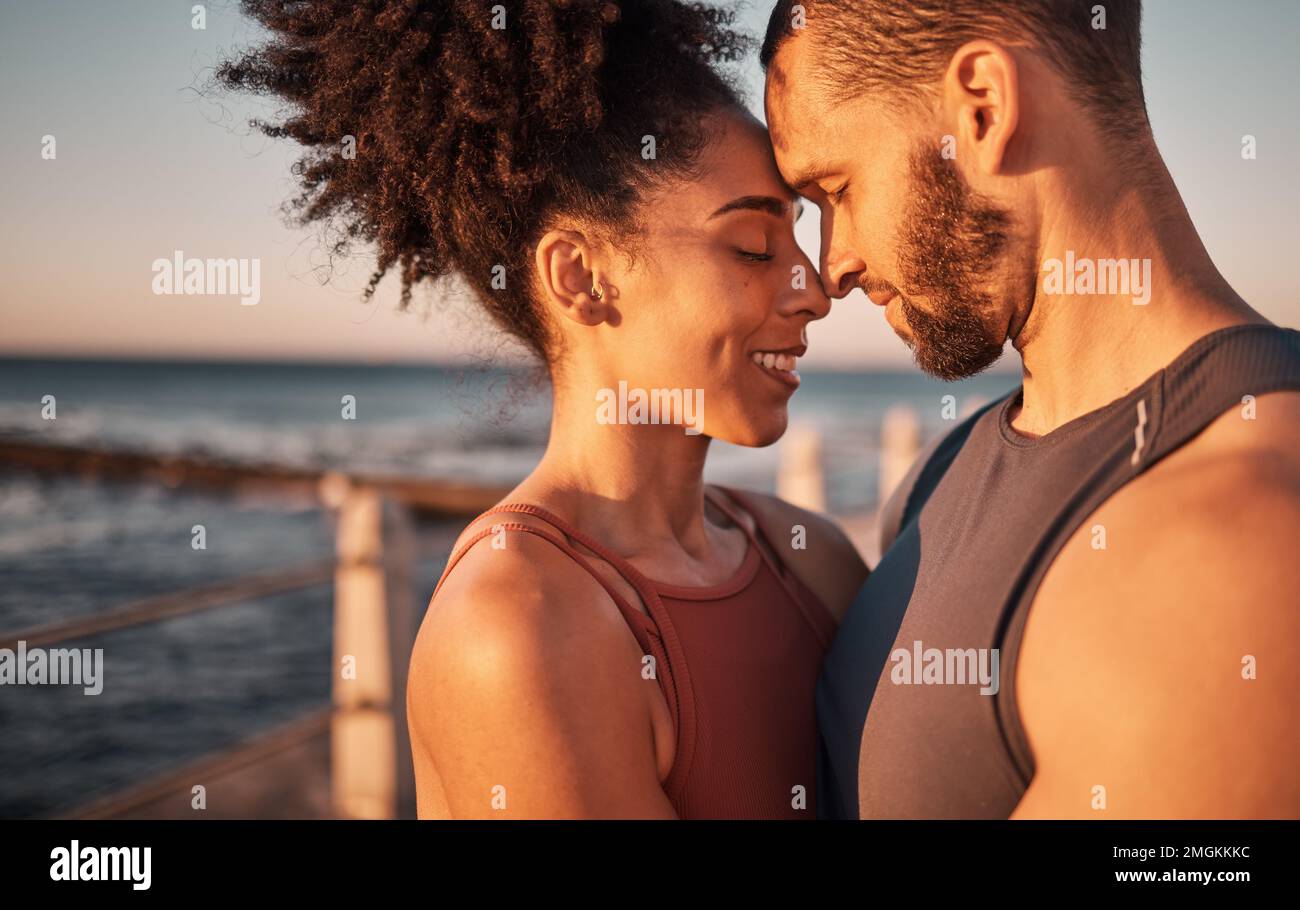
x,y
566,274
981,96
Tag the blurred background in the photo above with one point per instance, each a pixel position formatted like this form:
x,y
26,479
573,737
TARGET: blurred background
x,y
135,427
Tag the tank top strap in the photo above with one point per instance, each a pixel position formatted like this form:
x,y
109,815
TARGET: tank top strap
x,y
644,587
754,534
1226,368
817,613
631,613
727,505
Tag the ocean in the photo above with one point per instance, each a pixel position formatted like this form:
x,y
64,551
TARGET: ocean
x,y
182,688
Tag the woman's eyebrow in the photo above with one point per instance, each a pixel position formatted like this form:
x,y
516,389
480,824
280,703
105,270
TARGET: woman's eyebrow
x,y
778,208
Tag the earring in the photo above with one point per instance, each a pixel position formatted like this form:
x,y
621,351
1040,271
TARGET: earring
x,y
597,295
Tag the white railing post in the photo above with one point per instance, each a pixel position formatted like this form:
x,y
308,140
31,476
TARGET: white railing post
x,y
900,435
402,557
363,760
801,479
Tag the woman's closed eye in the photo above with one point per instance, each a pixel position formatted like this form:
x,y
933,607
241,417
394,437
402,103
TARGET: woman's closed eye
x,y
751,256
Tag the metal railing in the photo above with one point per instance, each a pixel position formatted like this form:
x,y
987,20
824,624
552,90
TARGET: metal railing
x,y
374,614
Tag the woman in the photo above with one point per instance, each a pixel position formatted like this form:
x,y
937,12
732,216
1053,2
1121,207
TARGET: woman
x,y
615,639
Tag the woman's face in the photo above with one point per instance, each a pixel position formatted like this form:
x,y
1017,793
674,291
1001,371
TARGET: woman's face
x,y
718,298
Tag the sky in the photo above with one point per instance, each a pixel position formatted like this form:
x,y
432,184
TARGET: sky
x,y
145,166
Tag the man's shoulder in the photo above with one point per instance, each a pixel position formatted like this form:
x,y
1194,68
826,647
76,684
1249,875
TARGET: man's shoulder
x,y
1242,465
1230,493
1199,548
1158,607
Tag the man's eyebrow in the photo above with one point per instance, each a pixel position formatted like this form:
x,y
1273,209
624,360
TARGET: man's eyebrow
x,y
769,204
810,173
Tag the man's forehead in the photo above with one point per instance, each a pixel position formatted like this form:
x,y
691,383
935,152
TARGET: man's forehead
x,y
790,93
777,95
798,142
801,139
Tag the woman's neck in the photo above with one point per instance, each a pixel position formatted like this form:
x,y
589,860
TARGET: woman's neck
x,y
636,487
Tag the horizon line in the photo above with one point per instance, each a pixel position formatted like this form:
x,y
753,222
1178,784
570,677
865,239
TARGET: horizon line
x,y
406,362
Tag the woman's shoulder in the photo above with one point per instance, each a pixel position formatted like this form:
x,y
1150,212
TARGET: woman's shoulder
x,y
524,670
513,571
514,613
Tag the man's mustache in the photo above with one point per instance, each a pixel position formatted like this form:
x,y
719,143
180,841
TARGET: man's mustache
x,y
876,284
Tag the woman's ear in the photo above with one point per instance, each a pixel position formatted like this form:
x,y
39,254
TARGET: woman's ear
x,y
566,274
981,96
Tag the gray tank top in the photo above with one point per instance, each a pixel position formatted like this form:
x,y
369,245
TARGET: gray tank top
x,y
968,537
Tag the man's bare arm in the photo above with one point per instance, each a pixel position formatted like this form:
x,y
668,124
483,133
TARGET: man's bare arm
x,y
1160,677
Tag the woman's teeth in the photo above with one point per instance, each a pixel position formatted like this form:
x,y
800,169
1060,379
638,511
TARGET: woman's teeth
x,y
783,362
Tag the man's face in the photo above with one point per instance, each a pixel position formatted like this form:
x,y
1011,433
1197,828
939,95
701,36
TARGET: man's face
x,y
898,218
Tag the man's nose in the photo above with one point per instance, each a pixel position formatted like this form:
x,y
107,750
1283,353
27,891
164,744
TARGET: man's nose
x,y
840,275
840,269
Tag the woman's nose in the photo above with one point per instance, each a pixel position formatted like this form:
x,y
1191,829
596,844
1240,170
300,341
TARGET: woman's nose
x,y
805,293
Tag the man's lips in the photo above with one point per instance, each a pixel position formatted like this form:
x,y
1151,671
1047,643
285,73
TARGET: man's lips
x,y
879,292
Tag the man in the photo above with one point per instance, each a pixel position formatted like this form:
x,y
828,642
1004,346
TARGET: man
x,y
1089,602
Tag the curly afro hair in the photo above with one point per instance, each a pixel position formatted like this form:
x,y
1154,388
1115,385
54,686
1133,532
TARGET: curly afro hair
x,y
476,125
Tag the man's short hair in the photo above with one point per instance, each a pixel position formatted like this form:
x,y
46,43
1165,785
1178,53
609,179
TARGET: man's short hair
x,y
901,48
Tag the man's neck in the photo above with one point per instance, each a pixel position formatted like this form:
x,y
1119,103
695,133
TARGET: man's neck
x,y
1082,346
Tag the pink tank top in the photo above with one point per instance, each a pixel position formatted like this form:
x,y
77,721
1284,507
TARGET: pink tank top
x,y
738,665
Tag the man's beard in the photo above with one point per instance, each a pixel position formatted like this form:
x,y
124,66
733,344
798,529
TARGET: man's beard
x,y
952,240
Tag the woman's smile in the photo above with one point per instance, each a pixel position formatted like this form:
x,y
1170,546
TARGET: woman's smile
x,y
780,365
